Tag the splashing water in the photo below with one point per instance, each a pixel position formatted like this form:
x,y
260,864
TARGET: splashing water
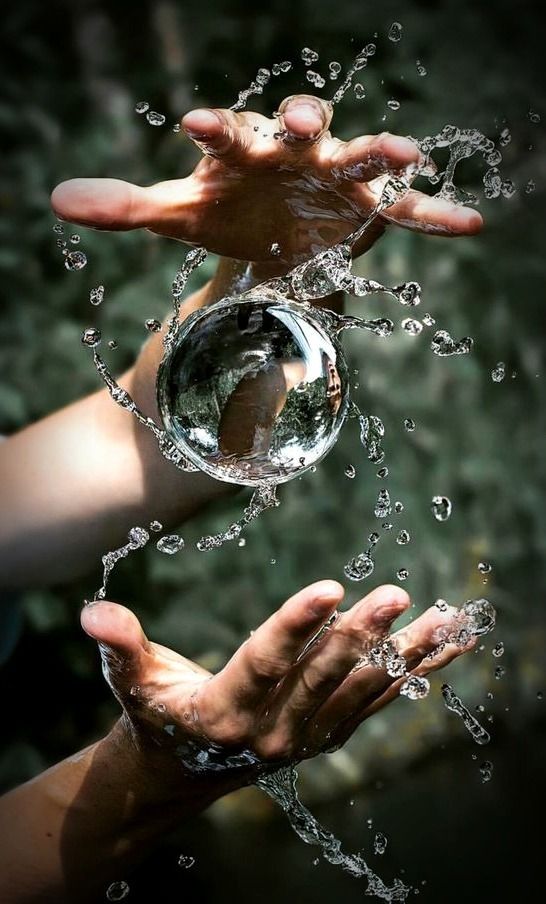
x,y
281,787
456,705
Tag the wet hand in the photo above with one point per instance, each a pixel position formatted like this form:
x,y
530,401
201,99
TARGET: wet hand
x,y
263,183
279,696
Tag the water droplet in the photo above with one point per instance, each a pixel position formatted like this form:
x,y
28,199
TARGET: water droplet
x,y
443,345
75,260
91,337
152,325
480,616
335,69
138,537
176,128
58,229
154,118
499,372
373,538
275,249
112,344
486,771
403,538
395,32
242,542
359,568
186,861
402,575
409,293
379,843
75,239
360,91
398,507
441,605
316,861
309,56
420,68
315,78
383,505
393,104
533,116
441,507
505,137
530,186
500,671
382,473
498,649
142,107
350,471
263,76
156,526
484,567
117,891
286,66
272,561
411,326
170,544
540,695
508,188
409,424
415,687
387,525
96,295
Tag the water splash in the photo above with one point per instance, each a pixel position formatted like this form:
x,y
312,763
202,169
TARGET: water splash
x,y
456,705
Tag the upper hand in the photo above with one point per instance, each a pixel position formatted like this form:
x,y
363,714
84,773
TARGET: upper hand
x,y
269,699
303,191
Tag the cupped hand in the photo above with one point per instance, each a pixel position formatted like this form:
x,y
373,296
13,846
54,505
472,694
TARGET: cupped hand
x,y
269,190
280,698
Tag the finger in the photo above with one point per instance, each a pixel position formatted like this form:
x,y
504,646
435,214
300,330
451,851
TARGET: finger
x,y
431,215
266,657
305,119
235,138
354,700
119,634
369,156
326,665
103,203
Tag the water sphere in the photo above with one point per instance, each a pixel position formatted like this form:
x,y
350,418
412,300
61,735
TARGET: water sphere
x,y
254,389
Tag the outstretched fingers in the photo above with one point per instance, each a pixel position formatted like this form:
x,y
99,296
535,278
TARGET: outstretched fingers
x,y
368,156
122,642
434,216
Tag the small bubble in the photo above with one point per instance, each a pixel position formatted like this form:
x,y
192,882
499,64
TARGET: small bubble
x,y
530,187
415,687
540,695
379,843
317,80
441,605
117,891
382,473
309,56
428,320
112,344
91,337
373,538
486,771
505,137
272,561
498,649
275,249
412,327
96,295
393,104
286,66
154,118
500,671
403,538
350,471
398,507
360,91
75,239
142,107
241,542
176,128
533,116
484,567
186,861
499,372
402,575
441,507
387,525
75,260
316,861
395,32
152,325
409,424
420,68
170,544
334,68
58,229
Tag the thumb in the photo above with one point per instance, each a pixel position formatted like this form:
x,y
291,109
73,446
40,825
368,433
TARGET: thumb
x,y
122,641
103,203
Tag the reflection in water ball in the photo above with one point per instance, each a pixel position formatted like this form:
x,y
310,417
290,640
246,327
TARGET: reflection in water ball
x,y
254,390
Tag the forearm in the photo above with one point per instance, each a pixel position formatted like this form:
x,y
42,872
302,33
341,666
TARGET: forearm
x,y
84,823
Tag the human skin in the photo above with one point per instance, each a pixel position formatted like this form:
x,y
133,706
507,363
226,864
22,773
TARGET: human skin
x,y
95,472
86,821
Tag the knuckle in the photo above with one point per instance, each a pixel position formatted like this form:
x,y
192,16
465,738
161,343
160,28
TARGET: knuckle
x,y
267,667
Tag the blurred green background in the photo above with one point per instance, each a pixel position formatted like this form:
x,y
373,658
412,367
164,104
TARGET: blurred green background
x,y
71,75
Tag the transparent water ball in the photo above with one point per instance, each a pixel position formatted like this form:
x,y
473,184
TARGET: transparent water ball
x,y
254,389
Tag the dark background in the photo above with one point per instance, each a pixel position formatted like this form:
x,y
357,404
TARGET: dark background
x,y
71,73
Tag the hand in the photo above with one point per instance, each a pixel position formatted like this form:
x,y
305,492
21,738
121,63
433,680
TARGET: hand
x,y
304,191
272,698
